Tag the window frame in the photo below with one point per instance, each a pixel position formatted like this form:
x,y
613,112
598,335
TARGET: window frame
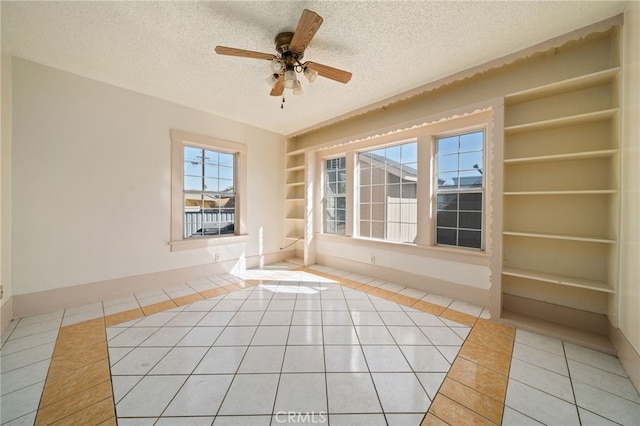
x,y
482,118
180,139
323,183
386,186
460,190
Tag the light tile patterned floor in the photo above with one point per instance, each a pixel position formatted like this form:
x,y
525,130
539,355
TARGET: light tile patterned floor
x,y
231,349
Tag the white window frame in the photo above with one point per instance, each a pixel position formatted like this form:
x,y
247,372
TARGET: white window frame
x,y
425,135
324,195
180,139
437,191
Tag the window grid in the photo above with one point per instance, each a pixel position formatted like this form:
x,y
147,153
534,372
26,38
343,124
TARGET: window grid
x,y
460,190
335,201
387,193
209,192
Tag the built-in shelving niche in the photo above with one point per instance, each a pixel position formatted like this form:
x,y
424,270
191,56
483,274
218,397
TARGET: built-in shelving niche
x,y
560,204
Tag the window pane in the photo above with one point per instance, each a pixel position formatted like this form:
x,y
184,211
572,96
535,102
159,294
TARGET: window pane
x,y
448,180
472,141
365,211
225,172
210,184
365,194
193,155
391,206
472,239
448,219
210,157
207,212
226,185
392,155
447,145
192,183
447,201
377,230
225,159
471,201
446,236
192,168
365,229
409,153
470,220
470,161
459,163
334,200
447,163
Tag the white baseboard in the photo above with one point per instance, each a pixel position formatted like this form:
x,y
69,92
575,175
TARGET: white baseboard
x,y
627,355
61,298
474,296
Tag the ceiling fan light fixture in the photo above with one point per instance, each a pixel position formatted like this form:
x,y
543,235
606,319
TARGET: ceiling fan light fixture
x,y
297,88
276,66
290,79
272,80
310,74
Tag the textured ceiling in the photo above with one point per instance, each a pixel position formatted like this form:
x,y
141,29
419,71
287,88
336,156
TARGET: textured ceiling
x,y
165,49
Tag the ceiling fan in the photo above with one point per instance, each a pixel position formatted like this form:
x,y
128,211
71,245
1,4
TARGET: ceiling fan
x,y
287,62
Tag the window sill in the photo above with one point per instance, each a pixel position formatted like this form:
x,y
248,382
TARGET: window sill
x,y
198,243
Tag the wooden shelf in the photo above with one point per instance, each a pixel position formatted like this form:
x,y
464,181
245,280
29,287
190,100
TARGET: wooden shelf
x,y
295,184
558,279
594,79
588,239
561,121
294,199
294,237
563,157
295,218
578,192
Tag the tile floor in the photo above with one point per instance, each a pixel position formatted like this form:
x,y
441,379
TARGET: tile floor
x,y
278,346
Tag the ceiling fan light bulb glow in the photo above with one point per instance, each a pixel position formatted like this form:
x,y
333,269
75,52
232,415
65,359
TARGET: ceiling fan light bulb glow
x,y
272,80
310,74
297,88
290,79
276,66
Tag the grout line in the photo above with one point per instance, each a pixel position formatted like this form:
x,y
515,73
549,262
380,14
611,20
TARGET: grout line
x,y
227,286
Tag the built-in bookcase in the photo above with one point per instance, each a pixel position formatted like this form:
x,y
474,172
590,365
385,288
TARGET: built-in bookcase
x,y
560,199
294,194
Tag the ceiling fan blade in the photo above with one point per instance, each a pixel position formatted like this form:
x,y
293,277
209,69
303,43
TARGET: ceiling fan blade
x,y
330,72
279,87
231,51
307,27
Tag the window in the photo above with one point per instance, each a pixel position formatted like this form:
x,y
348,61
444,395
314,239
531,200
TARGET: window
x,y
459,193
388,193
209,192
335,200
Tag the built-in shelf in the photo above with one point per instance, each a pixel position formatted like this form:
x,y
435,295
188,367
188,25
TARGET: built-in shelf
x,y
295,168
580,337
604,153
592,239
561,121
577,192
295,199
558,279
295,184
295,218
594,79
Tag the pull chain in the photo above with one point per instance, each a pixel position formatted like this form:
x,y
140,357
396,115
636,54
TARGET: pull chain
x,y
282,104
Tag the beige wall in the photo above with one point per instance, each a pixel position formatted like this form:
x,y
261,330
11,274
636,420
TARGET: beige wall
x,y
91,182
629,294
5,190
